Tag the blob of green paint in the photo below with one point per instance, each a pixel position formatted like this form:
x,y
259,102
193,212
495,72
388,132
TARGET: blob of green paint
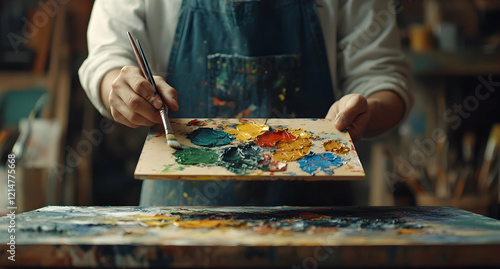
x,y
241,158
208,137
195,156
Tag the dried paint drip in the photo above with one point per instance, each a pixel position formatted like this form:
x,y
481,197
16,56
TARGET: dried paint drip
x,y
248,131
269,138
208,137
241,158
196,122
336,147
195,156
325,162
289,151
269,164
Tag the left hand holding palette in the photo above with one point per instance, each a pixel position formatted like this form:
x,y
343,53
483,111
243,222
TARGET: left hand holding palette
x,y
250,149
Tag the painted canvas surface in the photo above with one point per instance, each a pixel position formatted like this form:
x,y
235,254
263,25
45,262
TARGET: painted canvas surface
x,y
251,149
252,236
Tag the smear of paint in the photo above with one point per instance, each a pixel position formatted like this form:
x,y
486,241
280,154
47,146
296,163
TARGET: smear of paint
x,y
289,151
268,229
336,147
248,131
195,156
207,223
326,162
157,220
241,158
208,137
312,216
167,168
196,122
269,164
269,138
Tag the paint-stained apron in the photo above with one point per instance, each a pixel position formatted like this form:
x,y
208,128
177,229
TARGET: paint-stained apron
x,y
247,58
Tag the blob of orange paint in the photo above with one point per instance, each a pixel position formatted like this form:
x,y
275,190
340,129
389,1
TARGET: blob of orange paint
x,y
335,147
289,151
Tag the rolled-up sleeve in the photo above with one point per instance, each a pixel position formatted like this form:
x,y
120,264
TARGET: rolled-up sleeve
x,y
108,44
369,52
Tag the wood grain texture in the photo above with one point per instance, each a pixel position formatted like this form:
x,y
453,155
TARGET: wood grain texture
x,y
157,162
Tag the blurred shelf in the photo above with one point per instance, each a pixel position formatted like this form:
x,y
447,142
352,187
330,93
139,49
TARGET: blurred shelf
x,y
462,63
20,79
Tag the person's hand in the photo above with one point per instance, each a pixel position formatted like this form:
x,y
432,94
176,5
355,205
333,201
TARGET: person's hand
x,y
350,112
133,100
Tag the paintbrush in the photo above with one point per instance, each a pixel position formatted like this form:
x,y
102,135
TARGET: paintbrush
x,y
21,143
489,154
468,142
442,185
146,72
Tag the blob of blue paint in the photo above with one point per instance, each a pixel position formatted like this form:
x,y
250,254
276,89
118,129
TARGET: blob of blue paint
x,y
325,162
208,137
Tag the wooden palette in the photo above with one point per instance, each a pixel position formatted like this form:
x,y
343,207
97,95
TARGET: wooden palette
x,y
157,160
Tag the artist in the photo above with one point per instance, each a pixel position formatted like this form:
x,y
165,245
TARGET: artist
x,y
284,58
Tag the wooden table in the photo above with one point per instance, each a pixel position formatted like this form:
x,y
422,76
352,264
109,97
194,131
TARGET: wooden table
x,y
238,237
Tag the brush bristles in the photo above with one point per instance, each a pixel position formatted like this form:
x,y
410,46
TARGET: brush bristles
x,y
172,142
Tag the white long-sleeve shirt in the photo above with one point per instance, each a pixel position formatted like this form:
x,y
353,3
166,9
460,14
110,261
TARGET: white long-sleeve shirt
x,y
361,36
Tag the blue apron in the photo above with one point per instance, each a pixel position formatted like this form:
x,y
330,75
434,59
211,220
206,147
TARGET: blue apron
x,y
247,58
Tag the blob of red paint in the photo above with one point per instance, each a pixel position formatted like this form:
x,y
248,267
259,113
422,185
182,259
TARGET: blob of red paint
x,y
196,122
269,138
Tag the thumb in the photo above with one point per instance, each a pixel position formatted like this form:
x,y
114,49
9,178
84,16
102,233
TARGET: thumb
x,y
354,106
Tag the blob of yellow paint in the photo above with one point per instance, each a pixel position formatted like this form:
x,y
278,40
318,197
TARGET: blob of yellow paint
x,y
206,223
300,133
248,131
289,151
336,147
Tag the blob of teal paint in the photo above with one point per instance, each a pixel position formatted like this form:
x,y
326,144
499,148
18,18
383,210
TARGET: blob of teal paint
x,y
195,156
325,162
241,158
208,137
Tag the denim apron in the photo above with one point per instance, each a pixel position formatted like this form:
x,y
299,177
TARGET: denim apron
x,y
246,58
